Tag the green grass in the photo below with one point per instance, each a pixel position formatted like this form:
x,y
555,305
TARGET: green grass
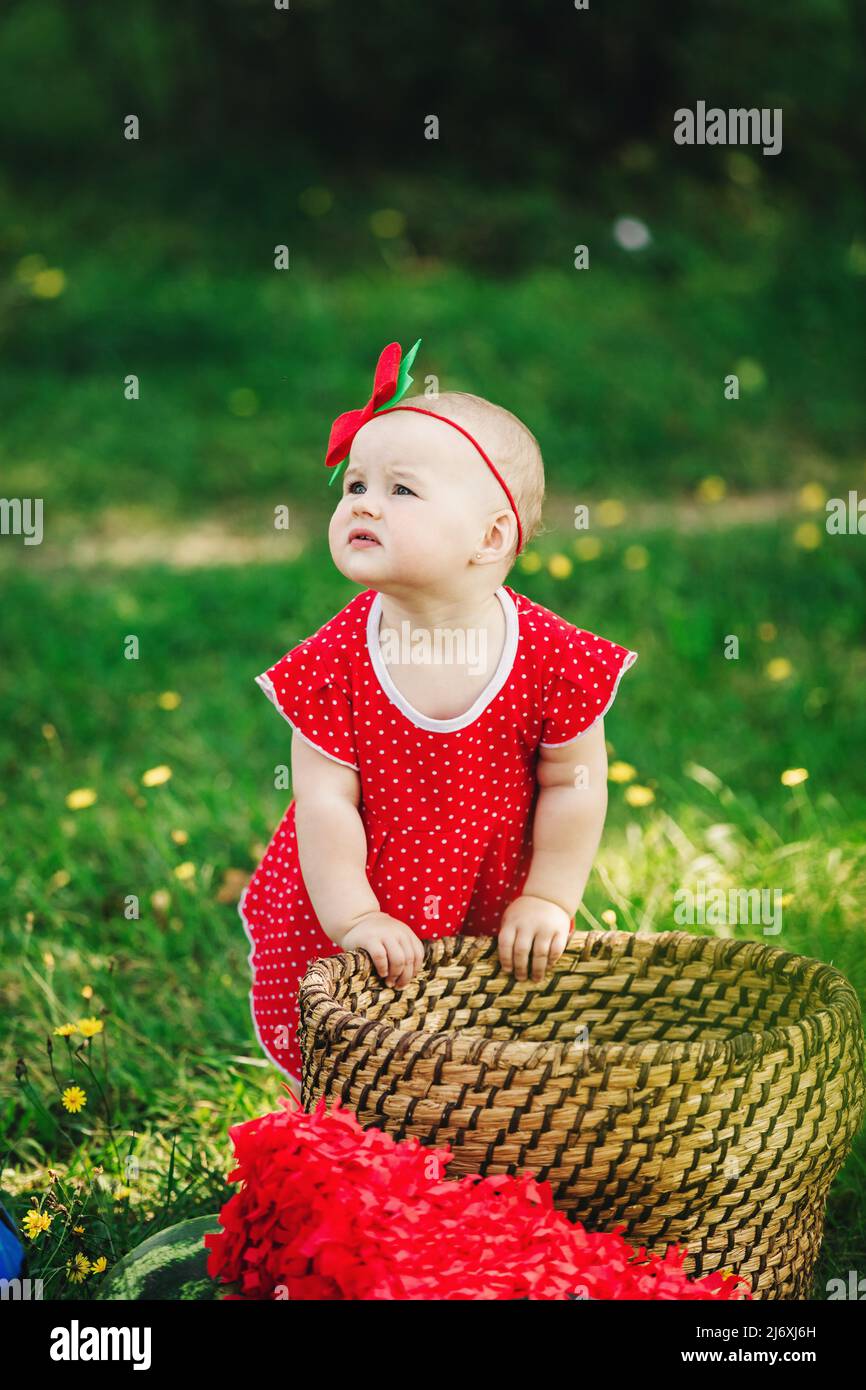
x,y
619,370
709,736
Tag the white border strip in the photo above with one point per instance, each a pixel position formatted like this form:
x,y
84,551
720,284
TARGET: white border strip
x,y
488,694
259,1038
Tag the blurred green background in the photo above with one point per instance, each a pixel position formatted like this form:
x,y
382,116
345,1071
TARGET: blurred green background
x,y
155,257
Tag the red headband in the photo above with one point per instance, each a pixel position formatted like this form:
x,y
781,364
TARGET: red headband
x,y
391,382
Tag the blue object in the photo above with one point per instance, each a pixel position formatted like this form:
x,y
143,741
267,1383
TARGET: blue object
x,y
11,1249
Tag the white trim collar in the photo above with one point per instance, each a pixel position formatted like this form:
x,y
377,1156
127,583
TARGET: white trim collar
x,y
490,691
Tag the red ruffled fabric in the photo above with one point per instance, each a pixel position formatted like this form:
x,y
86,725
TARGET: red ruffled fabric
x,y
310,692
584,672
328,1210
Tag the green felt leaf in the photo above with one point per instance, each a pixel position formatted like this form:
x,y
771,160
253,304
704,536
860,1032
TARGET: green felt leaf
x,y
404,380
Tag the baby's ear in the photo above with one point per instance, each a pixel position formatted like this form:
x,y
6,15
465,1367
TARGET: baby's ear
x,y
509,528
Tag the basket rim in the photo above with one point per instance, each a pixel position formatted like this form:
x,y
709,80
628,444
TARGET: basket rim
x,y
459,1047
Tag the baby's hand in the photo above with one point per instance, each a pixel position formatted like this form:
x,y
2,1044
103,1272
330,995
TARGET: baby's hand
x,y
396,951
536,926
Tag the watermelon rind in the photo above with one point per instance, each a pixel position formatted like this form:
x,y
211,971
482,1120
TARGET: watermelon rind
x,y
170,1266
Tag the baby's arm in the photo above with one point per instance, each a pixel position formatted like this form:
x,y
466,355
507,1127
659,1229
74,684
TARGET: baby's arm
x,y
569,818
332,845
332,849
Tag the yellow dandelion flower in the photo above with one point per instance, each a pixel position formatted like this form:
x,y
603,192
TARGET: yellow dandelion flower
x,y
77,1269
636,557
65,1030
160,901
184,871
787,898
711,489
74,1099
609,917
621,772
639,796
812,497
78,1230
121,1192
767,632
80,797
387,222
793,776
100,1264
779,669
169,699
48,960
59,879
587,548
48,284
89,1027
610,512
87,992
751,374
49,732
155,776
559,566
530,563
807,536
35,1222
180,837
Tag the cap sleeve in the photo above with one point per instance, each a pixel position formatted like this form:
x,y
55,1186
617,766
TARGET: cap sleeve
x,y
583,677
314,697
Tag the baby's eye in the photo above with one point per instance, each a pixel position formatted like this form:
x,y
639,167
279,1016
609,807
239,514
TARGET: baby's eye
x,y
352,487
405,488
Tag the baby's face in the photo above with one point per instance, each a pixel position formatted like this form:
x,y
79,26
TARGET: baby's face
x,y
419,488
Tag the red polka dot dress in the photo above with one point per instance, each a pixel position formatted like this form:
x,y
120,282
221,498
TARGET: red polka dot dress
x,y
446,804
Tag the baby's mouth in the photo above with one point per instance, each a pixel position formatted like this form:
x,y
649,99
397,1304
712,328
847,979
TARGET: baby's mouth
x,y
362,540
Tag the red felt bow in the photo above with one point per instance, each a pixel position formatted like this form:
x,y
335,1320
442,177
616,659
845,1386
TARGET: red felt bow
x,y
346,426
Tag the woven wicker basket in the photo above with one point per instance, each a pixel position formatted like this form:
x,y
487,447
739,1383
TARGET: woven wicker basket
x,y
702,1091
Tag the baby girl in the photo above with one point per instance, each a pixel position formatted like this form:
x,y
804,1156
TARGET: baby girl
x,y
448,795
